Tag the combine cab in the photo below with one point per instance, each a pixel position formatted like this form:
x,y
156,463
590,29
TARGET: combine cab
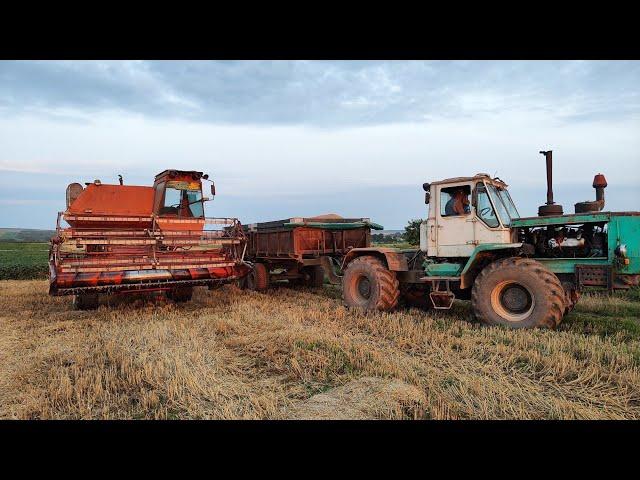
x,y
125,238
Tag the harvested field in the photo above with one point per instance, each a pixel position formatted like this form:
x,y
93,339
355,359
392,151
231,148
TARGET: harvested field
x,y
231,354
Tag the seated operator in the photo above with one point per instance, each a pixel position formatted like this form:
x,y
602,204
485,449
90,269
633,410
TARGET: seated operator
x,y
458,204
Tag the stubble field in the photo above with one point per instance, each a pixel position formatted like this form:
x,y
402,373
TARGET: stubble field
x,y
298,353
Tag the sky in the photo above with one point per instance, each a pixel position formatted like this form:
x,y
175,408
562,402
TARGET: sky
x,y
300,138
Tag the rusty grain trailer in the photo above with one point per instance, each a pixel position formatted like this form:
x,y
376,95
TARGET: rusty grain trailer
x,y
302,250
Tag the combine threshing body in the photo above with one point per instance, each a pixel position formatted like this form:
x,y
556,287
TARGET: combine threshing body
x,y
125,238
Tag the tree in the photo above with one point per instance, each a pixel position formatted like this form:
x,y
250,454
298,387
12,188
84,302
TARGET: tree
x,y
412,231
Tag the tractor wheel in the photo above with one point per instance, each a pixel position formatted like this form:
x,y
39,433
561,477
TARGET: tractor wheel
x,y
258,278
85,301
370,285
571,296
180,294
518,293
315,275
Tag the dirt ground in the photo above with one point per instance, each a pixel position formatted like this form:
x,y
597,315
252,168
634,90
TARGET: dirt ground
x,y
231,354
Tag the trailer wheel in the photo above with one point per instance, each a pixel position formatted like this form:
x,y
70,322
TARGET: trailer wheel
x,y
85,301
518,293
315,275
180,294
258,278
370,285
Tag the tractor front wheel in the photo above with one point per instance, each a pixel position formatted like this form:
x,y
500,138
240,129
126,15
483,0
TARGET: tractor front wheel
x,y
518,293
368,284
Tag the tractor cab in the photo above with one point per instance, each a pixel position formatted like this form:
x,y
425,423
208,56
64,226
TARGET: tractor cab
x,y
465,212
178,202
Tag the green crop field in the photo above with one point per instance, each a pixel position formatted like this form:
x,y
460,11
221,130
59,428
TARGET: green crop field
x,y
21,261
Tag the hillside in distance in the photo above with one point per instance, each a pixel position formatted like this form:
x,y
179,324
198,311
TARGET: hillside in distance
x,y
25,235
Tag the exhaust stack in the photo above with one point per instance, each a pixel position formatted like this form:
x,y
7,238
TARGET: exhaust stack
x,y
599,183
550,208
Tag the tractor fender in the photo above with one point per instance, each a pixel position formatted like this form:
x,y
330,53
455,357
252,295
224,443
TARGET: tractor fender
x,y
395,260
485,253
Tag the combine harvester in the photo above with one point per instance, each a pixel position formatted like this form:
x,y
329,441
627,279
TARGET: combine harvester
x,y
125,239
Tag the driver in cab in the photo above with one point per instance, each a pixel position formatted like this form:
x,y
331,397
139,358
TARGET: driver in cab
x,y
458,204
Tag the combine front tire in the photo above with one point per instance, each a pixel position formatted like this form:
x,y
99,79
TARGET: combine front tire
x,y
518,293
180,294
370,285
85,301
258,278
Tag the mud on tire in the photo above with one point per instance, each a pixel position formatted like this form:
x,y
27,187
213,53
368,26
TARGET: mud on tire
x,y
518,293
369,285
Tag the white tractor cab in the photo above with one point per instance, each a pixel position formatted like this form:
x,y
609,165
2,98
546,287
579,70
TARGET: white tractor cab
x,y
517,272
484,214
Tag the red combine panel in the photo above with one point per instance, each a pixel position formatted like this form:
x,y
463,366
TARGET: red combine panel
x,y
135,238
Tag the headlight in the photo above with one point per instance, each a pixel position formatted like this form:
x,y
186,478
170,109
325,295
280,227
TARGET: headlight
x,y
621,250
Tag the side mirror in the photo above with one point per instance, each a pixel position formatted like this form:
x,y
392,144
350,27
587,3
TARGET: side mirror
x,y
427,198
213,189
474,197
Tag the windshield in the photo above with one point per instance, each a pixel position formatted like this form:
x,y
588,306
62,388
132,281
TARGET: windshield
x,y
508,202
503,210
183,202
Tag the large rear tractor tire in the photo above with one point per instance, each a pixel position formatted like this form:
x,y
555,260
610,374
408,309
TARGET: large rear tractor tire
x,y
85,301
518,293
180,294
258,278
368,284
314,276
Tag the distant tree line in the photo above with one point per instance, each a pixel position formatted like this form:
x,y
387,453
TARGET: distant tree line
x,y
411,234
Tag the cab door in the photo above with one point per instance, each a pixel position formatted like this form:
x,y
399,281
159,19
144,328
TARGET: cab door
x,y
455,231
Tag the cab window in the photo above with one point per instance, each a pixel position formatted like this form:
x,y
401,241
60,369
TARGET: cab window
x,y
484,208
454,201
182,202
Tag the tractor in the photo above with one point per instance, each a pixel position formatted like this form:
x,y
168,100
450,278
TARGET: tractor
x,y
517,272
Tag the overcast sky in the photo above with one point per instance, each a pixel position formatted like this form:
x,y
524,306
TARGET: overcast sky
x,y
302,138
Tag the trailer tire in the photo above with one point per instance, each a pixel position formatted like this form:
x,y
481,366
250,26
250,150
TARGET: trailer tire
x,y
258,278
180,294
85,301
368,284
315,275
518,293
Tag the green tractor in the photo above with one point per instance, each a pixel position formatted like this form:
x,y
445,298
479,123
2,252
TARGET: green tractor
x,y
517,272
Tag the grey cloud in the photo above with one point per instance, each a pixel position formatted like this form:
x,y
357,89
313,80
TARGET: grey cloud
x,y
322,93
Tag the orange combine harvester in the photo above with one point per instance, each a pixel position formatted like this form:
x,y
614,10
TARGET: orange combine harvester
x,y
125,238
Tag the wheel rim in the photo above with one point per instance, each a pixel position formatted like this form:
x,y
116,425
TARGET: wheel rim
x,y
363,286
512,301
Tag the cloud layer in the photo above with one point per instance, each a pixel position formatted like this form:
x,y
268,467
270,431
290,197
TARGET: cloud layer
x,y
303,138
327,94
